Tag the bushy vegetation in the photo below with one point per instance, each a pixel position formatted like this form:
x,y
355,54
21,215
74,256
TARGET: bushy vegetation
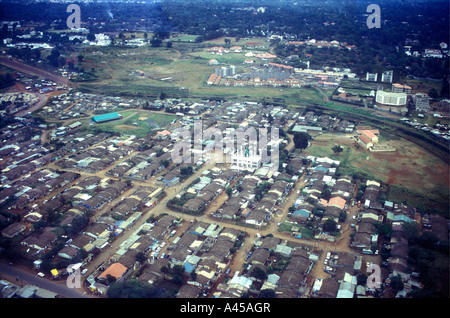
x,y
133,288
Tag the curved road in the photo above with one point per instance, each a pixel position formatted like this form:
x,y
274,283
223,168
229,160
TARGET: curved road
x,y
21,277
31,70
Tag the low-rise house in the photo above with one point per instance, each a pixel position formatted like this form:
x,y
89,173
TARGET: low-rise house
x,y
362,241
188,291
116,270
269,243
229,211
325,288
151,273
13,229
81,241
204,279
128,259
240,284
289,284
259,256
256,218
98,230
346,290
370,216
333,211
337,202
301,215
41,240
68,252
179,254
194,205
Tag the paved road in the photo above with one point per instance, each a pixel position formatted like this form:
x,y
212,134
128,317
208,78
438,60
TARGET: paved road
x,y
11,273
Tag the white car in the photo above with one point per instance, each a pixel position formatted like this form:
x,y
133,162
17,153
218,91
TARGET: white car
x,y
40,274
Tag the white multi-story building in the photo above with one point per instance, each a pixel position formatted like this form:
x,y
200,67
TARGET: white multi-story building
x,y
392,102
226,71
422,102
371,77
386,77
391,99
244,159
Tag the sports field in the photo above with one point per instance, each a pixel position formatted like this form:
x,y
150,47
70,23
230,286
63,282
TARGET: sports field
x,y
134,122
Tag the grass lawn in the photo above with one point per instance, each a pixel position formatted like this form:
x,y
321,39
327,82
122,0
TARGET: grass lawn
x,y
178,73
254,41
139,123
287,227
413,172
230,58
184,38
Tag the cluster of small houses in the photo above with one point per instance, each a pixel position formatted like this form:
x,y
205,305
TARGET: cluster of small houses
x,y
284,267
21,150
321,176
72,105
244,207
204,247
343,282
28,184
43,86
16,102
11,290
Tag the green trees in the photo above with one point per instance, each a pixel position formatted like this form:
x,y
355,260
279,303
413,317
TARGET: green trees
x,y
133,288
330,226
229,191
53,58
337,149
6,80
267,293
301,140
258,273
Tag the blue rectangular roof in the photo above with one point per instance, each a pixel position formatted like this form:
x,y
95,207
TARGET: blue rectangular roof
x,y
106,117
301,212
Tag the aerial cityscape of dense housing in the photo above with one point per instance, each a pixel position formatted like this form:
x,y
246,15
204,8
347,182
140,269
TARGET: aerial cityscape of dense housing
x,y
353,203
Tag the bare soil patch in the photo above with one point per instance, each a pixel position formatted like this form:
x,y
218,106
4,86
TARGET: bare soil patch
x,y
126,127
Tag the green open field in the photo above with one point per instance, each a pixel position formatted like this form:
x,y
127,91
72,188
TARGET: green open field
x,y
165,70
230,58
414,175
251,42
184,38
134,122
179,72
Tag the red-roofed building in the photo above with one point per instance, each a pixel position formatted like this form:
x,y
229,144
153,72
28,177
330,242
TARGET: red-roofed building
x,y
211,79
365,141
116,270
337,202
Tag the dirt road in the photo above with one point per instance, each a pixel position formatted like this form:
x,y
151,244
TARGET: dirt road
x,y
31,70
